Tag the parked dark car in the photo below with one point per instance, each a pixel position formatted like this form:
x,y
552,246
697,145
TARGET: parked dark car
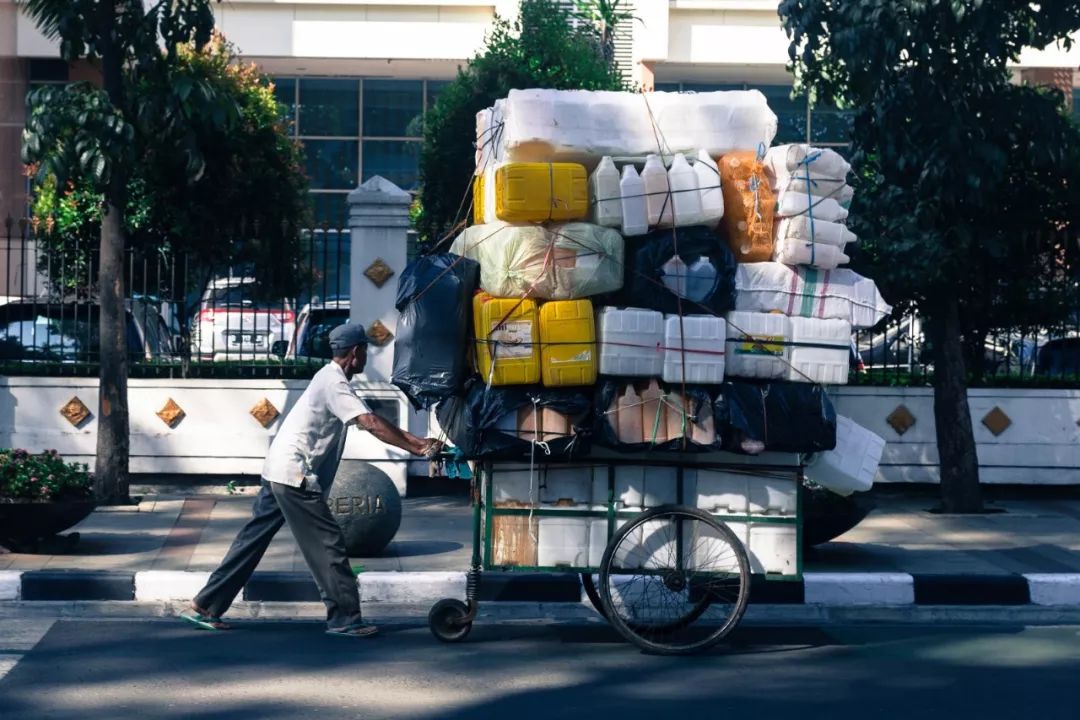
x,y
1059,357
71,332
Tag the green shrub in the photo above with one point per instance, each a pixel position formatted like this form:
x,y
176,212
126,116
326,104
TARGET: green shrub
x,y
45,477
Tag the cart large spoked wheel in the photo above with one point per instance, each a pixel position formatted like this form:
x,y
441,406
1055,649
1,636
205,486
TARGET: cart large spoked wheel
x,y
674,580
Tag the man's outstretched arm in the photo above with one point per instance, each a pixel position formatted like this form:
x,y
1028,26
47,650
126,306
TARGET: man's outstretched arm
x,y
393,435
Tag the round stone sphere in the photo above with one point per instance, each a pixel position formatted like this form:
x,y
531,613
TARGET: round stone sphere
x,y
366,505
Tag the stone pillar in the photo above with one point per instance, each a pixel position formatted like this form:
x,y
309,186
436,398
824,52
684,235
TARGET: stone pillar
x,y
1060,79
378,224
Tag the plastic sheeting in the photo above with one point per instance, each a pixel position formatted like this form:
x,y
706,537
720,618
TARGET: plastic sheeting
x,y
808,292
778,417
434,299
645,260
696,426
554,262
472,421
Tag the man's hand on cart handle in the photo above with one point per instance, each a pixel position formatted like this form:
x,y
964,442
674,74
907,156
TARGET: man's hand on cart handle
x,y
432,448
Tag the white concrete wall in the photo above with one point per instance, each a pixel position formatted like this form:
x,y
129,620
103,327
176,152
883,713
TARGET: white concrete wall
x,y
218,435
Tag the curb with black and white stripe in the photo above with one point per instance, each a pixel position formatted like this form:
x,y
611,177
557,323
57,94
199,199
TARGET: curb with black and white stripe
x,y
413,588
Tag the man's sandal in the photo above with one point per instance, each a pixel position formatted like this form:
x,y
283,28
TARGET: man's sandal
x,y
199,618
360,630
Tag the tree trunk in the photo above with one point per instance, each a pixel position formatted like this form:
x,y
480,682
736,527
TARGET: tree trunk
x,y
113,444
959,462
113,441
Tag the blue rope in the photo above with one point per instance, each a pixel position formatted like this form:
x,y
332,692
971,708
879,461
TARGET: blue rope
x,y
805,164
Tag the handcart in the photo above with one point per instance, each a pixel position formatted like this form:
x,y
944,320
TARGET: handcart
x,y
666,549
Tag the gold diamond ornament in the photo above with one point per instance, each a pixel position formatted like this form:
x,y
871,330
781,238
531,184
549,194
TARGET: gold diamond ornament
x,y
378,272
74,411
171,414
900,419
379,333
265,412
996,421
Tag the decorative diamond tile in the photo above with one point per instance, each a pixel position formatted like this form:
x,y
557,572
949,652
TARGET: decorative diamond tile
x,y
378,272
265,412
75,412
996,421
900,419
379,333
171,414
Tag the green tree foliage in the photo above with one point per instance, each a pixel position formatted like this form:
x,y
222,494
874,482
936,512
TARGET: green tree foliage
x,y
245,167
969,184
605,16
544,48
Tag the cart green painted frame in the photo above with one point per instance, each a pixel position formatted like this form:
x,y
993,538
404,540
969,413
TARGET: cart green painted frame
x,y
680,603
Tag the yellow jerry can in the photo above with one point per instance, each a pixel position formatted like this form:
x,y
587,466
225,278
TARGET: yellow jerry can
x,y
537,192
478,199
507,340
567,343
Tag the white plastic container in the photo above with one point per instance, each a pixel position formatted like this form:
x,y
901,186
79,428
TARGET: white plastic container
x,y
833,188
799,252
793,204
820,351
773,549
604,193
674,275
701,279
630,342
657,192
563,541
567,485
638,487
757,345
635,213
809,292
712,196
822,232
852,465
685,195
720,492
800,158
513,485
773,496
694,349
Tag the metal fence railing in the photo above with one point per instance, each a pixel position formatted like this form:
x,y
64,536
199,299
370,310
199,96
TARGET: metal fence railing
x,y
185,318
227,319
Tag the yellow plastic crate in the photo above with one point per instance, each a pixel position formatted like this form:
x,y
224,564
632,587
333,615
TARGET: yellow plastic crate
x,y
536,192
507,339
567,343
478,199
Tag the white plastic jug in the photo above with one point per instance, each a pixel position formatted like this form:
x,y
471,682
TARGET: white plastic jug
x,y
604,194
675,275
635,215
685,196
657,191
712,196
701,278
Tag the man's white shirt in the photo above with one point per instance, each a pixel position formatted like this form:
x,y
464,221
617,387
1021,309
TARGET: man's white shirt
x,y
307,448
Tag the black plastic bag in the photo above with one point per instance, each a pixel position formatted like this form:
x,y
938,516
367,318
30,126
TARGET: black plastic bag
x,y
471,421
781,417
645,259
604,430
430,349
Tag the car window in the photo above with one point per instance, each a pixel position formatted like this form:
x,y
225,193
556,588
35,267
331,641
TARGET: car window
x,y
316,341
248,295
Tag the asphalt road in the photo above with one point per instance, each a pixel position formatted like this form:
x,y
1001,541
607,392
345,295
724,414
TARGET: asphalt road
x,y
93,669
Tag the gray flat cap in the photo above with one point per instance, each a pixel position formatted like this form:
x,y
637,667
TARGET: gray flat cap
x,y
346,336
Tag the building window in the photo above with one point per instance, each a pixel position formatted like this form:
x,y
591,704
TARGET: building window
x,y
353,129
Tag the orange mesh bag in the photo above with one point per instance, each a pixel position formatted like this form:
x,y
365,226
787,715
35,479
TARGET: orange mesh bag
x,y
749,206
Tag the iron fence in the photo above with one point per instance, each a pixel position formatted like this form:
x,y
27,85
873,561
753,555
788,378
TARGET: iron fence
x,y
190,319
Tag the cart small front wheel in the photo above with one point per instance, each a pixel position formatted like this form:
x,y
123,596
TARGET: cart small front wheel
x,y
448,620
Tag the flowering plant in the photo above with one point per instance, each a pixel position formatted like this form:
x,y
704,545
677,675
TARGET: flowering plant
x,y
45,477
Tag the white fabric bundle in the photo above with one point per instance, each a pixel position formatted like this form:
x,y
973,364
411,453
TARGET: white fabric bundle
x,y
786,160
808,292
540,125
800,252
819,231
794,204
838,190
555,262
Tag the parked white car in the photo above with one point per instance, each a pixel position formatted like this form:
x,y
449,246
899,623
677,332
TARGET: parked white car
x,y
237,321
313,326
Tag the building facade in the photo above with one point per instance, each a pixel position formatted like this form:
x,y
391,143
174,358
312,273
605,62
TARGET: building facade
x,y
355,76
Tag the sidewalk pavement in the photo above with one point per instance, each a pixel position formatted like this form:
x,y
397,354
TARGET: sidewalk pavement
x,y
901,555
